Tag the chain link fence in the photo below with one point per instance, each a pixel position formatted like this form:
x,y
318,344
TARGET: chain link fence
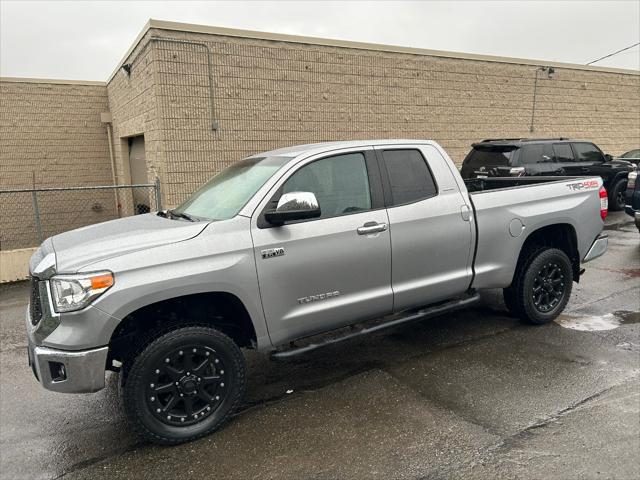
x,y
31,215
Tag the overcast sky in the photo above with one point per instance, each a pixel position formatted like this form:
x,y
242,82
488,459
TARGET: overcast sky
x,y
86,39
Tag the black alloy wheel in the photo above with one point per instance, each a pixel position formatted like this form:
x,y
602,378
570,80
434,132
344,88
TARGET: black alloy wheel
x,y
187,385
541,285
548,287
183,384
617,195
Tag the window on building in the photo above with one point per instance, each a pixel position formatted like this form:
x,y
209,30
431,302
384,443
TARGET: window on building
x,y
409,175
340,184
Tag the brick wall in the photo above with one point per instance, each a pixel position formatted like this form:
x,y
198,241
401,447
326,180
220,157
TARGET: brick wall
x,y
52,131
269,94
51,136
133,105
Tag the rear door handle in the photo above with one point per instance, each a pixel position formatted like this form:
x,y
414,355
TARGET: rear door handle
x,y
371,227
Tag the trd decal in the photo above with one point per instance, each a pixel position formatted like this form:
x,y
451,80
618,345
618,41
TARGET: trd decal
x,y
584,185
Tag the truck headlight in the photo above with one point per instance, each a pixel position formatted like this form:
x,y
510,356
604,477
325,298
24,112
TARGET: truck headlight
x,y
73,292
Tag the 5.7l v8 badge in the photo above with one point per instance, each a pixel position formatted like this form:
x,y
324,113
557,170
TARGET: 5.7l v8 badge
x,y
272,252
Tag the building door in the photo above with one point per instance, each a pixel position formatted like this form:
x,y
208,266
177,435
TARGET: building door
x,y
138,170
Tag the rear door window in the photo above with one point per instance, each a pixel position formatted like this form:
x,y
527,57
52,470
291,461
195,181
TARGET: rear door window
x,y
587,152
562,152
409,176
536,153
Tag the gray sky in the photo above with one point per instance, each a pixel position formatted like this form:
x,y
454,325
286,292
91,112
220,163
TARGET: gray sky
x,y
86,40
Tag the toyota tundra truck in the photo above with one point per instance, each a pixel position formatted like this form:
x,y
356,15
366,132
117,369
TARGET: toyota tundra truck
x,y
283,247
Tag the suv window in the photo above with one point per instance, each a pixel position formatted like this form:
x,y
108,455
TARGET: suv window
x,y
409,176
563,152
588,152
536,153
340,184
631,154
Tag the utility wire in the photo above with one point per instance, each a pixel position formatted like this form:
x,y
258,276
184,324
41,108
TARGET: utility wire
x,y
615,53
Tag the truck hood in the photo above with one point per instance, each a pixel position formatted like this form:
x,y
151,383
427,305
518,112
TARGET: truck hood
x,y
81,247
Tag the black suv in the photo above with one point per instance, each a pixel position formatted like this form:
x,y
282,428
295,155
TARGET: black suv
x,y
514,157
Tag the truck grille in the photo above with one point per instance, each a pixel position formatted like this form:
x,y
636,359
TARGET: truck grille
x,y
35,305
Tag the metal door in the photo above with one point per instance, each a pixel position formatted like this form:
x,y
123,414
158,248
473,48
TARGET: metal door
x,y
324,273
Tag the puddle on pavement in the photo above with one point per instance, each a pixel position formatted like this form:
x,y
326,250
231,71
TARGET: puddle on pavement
x,y
593,323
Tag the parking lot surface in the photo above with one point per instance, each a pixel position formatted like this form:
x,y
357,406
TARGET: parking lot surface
x,y
475,394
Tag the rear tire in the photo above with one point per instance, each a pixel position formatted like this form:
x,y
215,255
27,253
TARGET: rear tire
x,y
541,287
183,385
616,196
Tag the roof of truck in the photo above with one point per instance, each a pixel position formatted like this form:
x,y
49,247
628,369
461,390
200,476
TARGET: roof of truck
x,y
313,148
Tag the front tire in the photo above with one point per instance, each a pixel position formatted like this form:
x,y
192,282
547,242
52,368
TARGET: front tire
x,y
183,385
541,287
616,197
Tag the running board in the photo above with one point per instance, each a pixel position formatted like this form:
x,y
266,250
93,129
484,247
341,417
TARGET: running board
x,y
406,318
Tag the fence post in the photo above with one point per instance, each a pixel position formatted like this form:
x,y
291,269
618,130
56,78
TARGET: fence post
x,y
34,197
157,192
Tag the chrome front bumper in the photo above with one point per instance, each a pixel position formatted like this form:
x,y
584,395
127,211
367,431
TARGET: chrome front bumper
x,y
598,247
69,372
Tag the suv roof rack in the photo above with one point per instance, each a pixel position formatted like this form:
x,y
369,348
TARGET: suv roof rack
x,y
521,139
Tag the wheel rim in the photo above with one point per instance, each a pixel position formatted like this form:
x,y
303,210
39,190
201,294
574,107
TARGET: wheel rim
x,y
548,287
620,198
186,386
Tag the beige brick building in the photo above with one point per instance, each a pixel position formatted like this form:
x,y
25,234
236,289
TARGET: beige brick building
x,y
187,100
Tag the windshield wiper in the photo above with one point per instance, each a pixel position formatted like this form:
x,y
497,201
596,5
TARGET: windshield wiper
x,y
186,216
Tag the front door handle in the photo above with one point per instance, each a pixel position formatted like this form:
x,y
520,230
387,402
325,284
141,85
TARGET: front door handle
x,y
371,227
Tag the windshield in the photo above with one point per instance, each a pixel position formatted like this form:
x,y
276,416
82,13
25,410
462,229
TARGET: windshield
x,y
225,194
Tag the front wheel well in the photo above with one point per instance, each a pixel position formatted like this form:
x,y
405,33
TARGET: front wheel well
x,y
221,310
561,236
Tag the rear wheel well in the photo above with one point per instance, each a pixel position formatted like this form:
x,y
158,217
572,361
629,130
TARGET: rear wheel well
x,y
223,311
561,236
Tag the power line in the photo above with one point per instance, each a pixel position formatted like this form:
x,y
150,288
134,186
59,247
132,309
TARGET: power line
x,y
615,53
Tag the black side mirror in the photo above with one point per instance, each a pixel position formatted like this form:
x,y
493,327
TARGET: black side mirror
x,y
294,206
607,157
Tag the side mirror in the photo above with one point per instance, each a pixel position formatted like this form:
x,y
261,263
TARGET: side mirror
x,y
607,157
294,206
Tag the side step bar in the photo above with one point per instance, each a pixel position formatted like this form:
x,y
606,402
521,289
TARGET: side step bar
x,y
411,316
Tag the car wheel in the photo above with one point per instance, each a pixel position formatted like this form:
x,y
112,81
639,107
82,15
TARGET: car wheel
x,y
616,197
184,385
542,286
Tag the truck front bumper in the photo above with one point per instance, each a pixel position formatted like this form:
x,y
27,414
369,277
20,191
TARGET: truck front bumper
x,y
598,247
69,372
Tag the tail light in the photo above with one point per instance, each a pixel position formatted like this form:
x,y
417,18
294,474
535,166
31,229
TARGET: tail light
x,y
604,203
631,180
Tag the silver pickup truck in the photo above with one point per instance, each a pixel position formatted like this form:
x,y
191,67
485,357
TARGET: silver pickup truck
x,y
282,247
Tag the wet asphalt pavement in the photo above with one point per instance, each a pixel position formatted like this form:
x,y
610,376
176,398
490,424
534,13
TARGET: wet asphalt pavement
x,y
475,394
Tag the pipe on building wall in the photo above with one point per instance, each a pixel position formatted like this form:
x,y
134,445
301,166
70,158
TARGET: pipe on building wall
x,y
114,177
128,66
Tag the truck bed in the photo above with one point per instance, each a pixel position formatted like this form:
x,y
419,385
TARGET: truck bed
x,y
507,210
478,185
